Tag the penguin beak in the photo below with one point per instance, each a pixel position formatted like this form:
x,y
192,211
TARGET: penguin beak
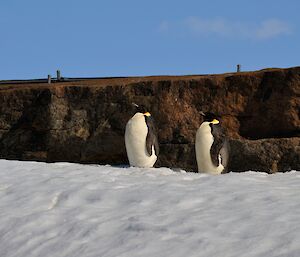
x,y
147,114
215,121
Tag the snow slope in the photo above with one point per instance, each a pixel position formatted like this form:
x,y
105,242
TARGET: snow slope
x,y
75,210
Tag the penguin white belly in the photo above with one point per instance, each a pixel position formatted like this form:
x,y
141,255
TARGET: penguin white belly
x,y
135,142
204,141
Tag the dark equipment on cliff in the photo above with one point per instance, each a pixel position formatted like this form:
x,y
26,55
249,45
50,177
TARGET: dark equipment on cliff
x,y
49,79
58,77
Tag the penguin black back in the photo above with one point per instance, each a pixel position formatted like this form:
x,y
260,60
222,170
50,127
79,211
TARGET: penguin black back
x,y
151,139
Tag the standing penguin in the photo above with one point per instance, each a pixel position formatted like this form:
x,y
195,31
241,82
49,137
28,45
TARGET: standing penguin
x,y
212,147
141,139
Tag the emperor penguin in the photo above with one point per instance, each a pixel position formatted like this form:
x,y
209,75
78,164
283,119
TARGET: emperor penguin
x,y
212,147
141,139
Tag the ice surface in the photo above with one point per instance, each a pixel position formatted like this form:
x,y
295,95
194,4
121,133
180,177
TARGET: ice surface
x,y
65,209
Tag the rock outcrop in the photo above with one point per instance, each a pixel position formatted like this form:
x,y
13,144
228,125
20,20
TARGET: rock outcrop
x,y
83,120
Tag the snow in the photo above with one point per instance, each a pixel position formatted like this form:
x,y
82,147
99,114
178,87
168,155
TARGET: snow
x,y
65,209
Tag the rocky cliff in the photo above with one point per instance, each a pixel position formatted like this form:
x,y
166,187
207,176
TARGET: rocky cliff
x,y
83,120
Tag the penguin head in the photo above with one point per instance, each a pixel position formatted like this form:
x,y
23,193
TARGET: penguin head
x,y
142,109
211,118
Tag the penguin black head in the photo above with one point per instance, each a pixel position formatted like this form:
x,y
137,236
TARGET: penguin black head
x,y
142,109
210,117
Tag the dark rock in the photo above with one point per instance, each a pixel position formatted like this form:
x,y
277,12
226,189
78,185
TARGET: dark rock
x,y
268,155
84,120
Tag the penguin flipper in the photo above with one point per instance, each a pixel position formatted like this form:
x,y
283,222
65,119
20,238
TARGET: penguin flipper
x,y
225,154
151,139
217,146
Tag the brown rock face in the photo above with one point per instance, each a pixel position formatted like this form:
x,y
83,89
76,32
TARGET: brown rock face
x,y
84,120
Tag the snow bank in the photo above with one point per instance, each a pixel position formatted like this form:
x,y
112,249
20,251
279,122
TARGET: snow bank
x,y
74,210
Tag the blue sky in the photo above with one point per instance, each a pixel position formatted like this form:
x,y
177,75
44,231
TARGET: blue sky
x,y
91,38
